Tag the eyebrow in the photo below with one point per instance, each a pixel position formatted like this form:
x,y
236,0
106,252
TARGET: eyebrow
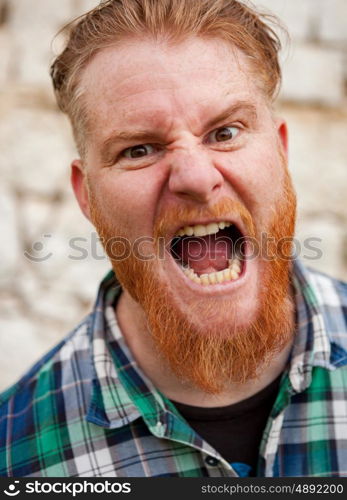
x,y
139,136
239,107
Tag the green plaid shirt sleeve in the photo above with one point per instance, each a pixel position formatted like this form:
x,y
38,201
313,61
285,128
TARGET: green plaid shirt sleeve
x,y
86,409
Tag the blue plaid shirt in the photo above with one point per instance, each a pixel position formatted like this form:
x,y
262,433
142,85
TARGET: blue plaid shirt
x,y
86,409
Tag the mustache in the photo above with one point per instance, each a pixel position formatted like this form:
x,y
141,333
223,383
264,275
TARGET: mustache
x,y
225,208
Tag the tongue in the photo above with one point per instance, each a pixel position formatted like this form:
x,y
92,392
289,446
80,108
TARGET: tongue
x,y
206,254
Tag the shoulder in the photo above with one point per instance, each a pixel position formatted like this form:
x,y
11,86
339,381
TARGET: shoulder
x,y
327,296
328,290
55,360
37,403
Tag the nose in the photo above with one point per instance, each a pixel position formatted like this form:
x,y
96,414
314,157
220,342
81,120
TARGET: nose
x,y
193,175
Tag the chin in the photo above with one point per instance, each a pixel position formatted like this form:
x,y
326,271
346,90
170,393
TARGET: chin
x,y
215,307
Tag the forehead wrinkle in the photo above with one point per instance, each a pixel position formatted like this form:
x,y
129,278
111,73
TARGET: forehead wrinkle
x,y
171,82
131,71
168,83
177,101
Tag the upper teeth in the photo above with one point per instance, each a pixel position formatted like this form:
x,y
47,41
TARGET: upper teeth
x,y
200,230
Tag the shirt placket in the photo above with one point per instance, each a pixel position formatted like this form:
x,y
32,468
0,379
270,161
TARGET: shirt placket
x,y
166,427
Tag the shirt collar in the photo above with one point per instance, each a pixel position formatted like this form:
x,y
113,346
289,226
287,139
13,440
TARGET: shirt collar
x,y
121,393
110,405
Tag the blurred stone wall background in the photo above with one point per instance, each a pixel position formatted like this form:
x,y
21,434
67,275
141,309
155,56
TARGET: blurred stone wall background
x,y
48,281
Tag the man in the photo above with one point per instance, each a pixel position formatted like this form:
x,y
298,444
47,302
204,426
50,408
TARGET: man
x,y
209,351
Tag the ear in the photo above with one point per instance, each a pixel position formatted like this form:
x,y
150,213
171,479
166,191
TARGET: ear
x,y
79,186
282,131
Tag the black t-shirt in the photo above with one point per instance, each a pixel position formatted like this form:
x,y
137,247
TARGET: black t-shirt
x,y
235,431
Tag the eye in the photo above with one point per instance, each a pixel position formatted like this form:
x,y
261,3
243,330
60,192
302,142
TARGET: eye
x,y
223,134
138,151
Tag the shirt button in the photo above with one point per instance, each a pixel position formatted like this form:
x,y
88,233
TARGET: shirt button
x,y
159,429
212,461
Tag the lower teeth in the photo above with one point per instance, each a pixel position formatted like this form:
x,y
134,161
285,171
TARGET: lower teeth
x,y
231,273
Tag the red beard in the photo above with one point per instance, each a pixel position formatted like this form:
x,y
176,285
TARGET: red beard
x,y
201,353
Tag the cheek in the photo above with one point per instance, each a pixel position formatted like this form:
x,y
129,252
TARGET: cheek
x,y
254,175
127,200
257,175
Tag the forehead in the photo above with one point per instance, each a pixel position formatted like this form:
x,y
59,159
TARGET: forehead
x,y
154,81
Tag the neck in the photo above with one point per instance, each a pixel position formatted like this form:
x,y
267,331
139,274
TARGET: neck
x,y
133,325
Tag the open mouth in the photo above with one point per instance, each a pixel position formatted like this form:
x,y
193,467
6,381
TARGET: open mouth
x,y
209,254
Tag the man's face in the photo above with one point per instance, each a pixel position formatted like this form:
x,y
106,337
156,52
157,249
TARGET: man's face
x,y
181,139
